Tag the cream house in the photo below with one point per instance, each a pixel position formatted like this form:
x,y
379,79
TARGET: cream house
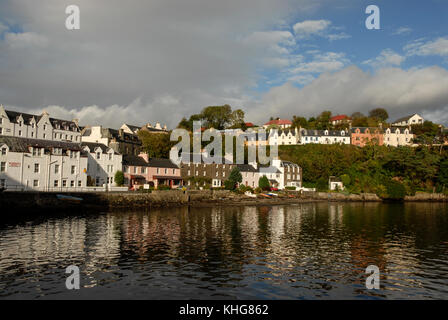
x,y
103,163
283,137
398,136
408,121
23,125
41,165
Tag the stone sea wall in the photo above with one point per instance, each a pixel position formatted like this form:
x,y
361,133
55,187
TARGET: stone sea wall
x,y
11,202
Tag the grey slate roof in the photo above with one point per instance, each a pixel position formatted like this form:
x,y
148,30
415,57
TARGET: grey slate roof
x,y
93,145
285,131
404,118
363,129
321,133
133,128
131,160
17,144
161,163
14,115
401,129
246,168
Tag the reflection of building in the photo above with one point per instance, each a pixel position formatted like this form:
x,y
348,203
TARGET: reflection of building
x,y
103,163
43,165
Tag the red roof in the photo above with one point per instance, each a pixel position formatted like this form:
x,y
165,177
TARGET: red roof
x,y
339,117
278,122
249,124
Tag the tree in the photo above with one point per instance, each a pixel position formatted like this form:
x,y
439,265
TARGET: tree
x,y
217,117
379,113
357,114
298,122
322,121
237,119
345,178
235,177
263,183
443,173
156,145
119,178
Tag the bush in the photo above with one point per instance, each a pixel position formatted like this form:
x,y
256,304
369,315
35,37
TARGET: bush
x,y
395,190
243,188
322,185
235,177
163,187
229,185
291,188
263,183
119,178
345,178
258,190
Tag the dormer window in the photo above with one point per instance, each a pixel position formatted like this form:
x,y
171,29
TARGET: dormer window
x,y
98,155
3,151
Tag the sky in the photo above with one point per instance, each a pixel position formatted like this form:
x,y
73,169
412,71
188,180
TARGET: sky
x,y
144,61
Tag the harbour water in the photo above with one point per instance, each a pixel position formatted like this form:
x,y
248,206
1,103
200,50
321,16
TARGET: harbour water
x,y
305,251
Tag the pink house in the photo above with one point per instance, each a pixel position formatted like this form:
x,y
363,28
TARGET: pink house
x,y
140,170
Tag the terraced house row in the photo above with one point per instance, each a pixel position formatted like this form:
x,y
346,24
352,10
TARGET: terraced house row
x,y
41,153
358,136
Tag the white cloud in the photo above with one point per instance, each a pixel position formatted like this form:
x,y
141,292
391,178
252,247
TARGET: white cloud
x,y
310,27
351,89
25,40
322,28
3,27
322,62
338,36
386,58
438,47
190,50
402,30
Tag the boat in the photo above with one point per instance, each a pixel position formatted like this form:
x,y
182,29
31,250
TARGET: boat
x,y
265,195
273,194
63,197
250,194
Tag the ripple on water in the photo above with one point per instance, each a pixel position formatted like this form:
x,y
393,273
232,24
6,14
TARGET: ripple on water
x,y
306,251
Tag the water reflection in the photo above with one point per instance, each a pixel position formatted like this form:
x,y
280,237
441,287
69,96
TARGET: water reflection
x,y
301,251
